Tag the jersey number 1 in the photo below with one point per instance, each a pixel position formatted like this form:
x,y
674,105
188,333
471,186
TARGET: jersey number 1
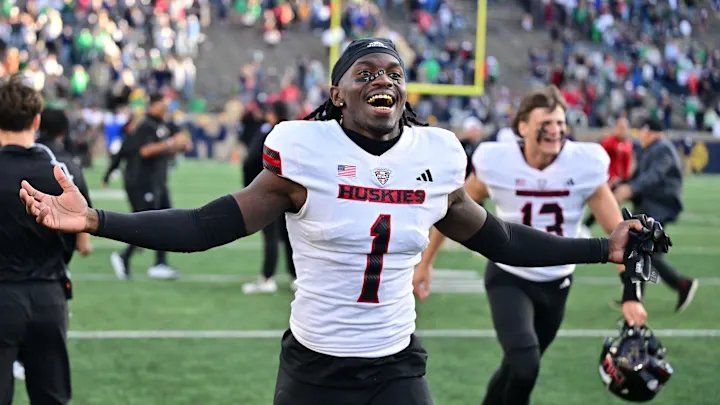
x,y
547,208
380,231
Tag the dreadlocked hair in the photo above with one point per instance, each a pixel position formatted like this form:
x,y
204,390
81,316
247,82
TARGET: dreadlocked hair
x,y
328,111
325,112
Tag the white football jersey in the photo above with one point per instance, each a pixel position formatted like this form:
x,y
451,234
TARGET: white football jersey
x,y
550,200
361,231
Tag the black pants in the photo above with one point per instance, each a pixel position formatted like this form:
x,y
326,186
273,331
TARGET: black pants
x,y
273,235
590,220
668,273
306,377
401,391
144,200
33,329
527,316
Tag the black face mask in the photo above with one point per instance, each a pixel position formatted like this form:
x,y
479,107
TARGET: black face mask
x,y
372,77
542,132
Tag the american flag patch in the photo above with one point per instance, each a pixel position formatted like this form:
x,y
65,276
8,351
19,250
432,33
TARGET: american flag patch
x,y
346,170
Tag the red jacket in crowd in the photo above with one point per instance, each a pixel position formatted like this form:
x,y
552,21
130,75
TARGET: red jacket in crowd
x,y
621,154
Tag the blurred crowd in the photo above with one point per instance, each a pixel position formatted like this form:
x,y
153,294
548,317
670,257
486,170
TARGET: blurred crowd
x,y
636,58
105,53
657,58
101,58
436,40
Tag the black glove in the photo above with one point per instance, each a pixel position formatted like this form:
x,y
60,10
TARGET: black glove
x,y
642,245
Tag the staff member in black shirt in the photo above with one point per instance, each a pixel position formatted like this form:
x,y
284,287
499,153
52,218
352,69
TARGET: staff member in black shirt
x,y
54,126
147,152
276,232
656,189
33,260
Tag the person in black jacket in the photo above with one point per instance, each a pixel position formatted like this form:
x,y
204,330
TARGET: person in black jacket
x,y
656,190
34,283
54,126
147,151
276,232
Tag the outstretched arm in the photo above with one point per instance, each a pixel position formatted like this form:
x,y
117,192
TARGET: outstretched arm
x,y
185,230
605,208
520,245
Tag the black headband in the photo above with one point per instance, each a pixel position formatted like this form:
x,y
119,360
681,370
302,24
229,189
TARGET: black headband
x,y
359,48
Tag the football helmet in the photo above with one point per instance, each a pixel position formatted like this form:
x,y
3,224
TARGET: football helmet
x,y
633,365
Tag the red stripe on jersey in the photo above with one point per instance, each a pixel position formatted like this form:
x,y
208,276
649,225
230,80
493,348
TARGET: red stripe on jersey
x,y
542,193
271,160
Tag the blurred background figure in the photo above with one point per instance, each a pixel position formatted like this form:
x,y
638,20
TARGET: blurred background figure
x,y
147,152
53,134
276,233
34,276
619,148
656,190
472,134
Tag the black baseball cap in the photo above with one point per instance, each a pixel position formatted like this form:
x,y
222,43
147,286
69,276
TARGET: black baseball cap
x,y
653,124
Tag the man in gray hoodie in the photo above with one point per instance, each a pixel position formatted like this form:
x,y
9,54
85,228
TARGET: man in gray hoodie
x,y
656,189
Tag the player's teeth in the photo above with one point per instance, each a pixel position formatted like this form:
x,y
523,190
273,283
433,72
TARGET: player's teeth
x,y
376,97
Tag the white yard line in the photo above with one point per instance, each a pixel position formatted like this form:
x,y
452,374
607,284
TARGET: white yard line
x,y
107,194
426,333
184,278
464,281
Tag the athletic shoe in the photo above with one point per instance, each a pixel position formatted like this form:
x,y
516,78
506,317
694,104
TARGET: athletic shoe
x,y
18,370
163,272
261,286
120,266
686,294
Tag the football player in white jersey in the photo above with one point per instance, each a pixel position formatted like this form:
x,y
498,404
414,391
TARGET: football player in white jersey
x,y
360,187
544,182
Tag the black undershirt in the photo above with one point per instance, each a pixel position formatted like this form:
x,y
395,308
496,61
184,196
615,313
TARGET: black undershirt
x,y
371,146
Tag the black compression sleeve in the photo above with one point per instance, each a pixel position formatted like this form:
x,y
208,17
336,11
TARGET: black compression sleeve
x,y
632,289
520,245
176,230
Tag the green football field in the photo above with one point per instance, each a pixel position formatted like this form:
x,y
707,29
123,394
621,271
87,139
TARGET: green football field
x,y
199,340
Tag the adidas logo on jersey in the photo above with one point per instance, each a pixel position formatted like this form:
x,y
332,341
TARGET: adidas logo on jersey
x,y
426,176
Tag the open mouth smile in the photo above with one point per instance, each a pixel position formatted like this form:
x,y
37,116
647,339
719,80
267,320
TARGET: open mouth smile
x,y
381,102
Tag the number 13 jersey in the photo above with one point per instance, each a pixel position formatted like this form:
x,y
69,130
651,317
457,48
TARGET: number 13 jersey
x,y
551,200
361,230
